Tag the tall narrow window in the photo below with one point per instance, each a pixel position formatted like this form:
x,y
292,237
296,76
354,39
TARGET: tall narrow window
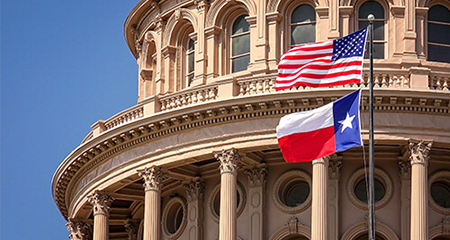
x,y
439,34
303,25
190,62
379,38
240,44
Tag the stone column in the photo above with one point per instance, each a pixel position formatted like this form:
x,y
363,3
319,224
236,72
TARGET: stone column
x,y
419,195
319,206
79,230
152,206
132,227
195,189
101,202
334,168
405,198
228,197
257,193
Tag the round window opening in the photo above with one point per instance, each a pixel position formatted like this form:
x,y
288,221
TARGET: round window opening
x,y
174,217
295,193
214,201
361,190
440,192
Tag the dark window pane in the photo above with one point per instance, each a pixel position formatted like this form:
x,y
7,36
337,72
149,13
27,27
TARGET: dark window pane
x,y
191,62
378,28
240,44
240,63
240,25
191,44
439,13
440,192
303,34
361,191
438,53
378,50
438,33
296,194
371,7
303,13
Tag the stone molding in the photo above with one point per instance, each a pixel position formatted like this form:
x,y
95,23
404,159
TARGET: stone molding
x,y
165,216
79,230
442,229
283,180
153,178
228,160
292,227
419,151
362,227
443,175
257,175
334,167
92,153
101,202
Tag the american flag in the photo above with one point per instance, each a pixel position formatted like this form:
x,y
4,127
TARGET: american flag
x,y
323,64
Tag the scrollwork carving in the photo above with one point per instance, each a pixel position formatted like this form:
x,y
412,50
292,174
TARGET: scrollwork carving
x,y
257,175
79,230
132,227
334,167
228,160
101,202
404,166
419,151
195,188
152,178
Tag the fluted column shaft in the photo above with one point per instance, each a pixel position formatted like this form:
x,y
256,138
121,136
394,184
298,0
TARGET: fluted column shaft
x,y
319,207
101,202
419,184
228,197
152,206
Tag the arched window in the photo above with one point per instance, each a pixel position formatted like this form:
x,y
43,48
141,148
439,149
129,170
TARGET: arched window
x,y
379,38
303,25
439,34
190,62
240,44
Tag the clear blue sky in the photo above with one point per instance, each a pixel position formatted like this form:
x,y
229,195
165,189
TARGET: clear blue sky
x,y
64,65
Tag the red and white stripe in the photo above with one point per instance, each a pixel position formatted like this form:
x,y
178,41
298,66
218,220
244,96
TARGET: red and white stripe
x,y
310,65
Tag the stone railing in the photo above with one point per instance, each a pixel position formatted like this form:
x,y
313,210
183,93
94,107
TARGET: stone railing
x,y
188,97
439,81
125,116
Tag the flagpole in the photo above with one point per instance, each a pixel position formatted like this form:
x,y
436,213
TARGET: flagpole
x,y
371,202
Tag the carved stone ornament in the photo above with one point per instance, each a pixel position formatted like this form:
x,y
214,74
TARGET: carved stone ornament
x,y
195,189
201,5
404,166
132,227
419,151
78,230
257,175
334,167
228,160
101,202
152,178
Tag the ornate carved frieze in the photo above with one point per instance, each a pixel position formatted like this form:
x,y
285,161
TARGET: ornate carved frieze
x,y
79,230
195,189
419,151
404,166
132,227
257,175
228,160
101,202
334,167
152,178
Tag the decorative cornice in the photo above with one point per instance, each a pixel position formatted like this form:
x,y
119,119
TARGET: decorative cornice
x,y
195,189
153,178
257,175
419,151
228,160
101,203
79,230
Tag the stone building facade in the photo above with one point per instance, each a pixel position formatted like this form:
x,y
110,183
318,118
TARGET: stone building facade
x,y
197,158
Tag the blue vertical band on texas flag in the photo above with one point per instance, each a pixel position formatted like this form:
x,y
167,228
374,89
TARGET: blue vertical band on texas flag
x,y
309,135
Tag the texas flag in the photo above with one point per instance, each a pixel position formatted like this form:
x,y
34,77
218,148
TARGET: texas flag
x,y
310,135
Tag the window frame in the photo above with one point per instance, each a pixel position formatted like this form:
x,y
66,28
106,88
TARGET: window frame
x,y
231,36
289,24
427,31
189,52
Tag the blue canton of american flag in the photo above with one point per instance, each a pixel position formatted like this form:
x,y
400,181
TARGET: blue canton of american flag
x,y
323,64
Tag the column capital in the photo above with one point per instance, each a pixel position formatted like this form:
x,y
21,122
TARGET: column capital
x,y
324,160
153,178
404,166
195,188
228,160
257,175
334,167
101,202
419,151
78,230
132,227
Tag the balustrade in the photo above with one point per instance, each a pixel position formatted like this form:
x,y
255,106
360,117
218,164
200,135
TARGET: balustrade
x,y
188,97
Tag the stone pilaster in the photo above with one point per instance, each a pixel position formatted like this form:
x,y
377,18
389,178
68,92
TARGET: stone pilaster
x,y
195,189
79,230
101,202
319,208
334,172
132,227
228,197
405,198
152,206
257,192
419,182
